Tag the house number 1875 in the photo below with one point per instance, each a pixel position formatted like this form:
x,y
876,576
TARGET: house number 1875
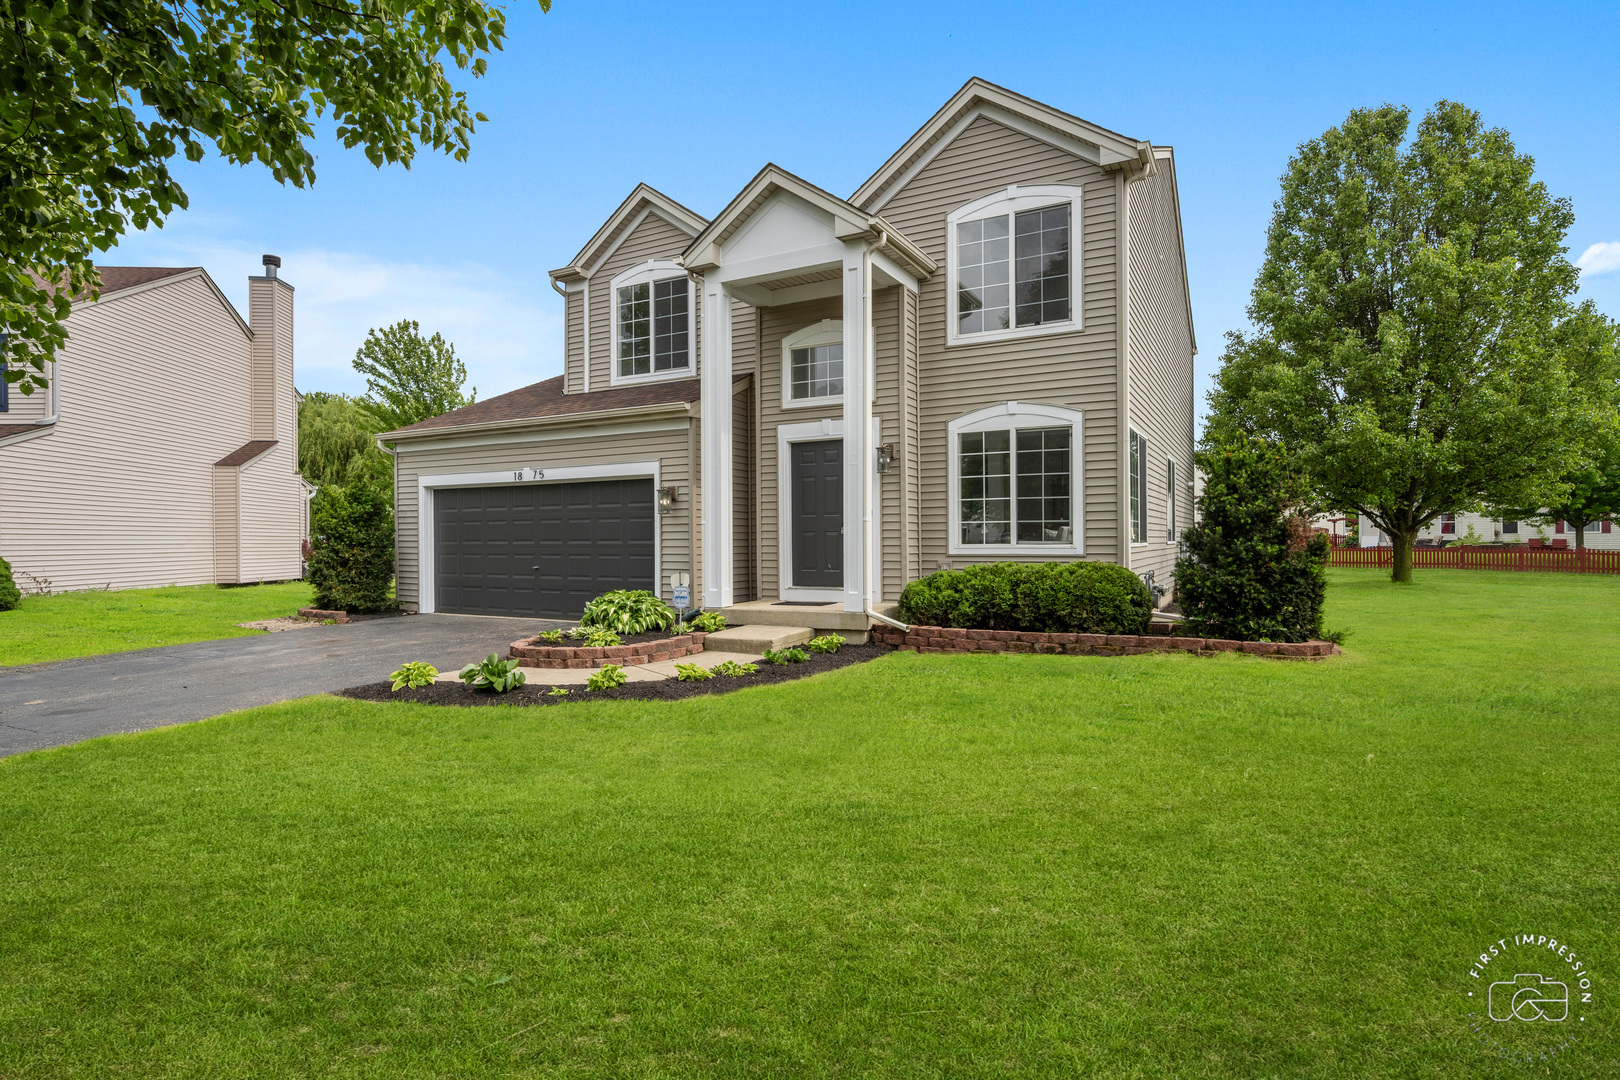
x,y
529,474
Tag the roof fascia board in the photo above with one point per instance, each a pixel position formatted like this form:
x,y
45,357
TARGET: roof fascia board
x,y
560,419
673,422
687,220
174,279
1113,149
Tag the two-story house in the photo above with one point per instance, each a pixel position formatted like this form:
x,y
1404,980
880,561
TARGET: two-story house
x,y
164,449
984,353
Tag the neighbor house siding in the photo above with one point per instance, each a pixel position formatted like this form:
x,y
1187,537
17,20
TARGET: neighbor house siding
x,y
574,341
653,238
121,493
1161,358
272,517
542,448
1077,370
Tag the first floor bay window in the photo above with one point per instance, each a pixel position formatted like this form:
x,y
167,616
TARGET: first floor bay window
x,y
1015,478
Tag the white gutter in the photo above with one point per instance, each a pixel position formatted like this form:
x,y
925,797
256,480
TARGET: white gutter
x,y
55,392
558,420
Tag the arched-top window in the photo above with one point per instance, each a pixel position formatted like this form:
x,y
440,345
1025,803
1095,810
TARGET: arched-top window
x,y
813,365
1016,481
1014,264
652,323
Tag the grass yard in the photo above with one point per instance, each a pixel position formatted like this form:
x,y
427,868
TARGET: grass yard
x,y
66,625
966,866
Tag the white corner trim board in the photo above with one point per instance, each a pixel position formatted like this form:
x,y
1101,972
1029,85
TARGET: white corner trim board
x,y
426,485
1012,416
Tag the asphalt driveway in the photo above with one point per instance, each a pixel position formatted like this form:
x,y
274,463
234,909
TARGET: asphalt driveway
x,y
66,701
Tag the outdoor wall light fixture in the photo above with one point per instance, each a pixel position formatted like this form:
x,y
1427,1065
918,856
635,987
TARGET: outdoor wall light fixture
x,y
666,500
885,457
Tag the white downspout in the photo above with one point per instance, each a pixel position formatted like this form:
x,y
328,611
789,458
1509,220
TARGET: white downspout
x,y
54,391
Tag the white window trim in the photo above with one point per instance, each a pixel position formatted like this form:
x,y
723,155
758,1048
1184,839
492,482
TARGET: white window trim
x,y
650,271
813,431
825,332
1012,415
426,598
1007,202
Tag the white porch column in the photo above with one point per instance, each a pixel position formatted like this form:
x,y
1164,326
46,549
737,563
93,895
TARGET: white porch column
x,y
716,446
857,456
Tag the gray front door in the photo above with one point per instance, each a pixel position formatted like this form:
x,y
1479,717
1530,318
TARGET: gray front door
x,y
818,514
540,549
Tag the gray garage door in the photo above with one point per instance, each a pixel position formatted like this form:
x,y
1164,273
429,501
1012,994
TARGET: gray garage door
x,y
540,549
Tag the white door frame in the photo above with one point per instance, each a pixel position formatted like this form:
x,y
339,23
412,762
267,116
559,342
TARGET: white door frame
x,y
426,485
786,435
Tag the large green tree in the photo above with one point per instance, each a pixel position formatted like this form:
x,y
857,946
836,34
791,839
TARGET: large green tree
x,y
337,444
102,95
410,377
1411,346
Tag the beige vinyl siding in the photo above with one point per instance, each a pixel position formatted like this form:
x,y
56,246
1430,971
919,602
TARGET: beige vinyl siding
x,y
26,408
1161,362
653,238
911,446
668,447
776,323
272,515
888,315
744,568
1076,370
573,341
227,524
155,390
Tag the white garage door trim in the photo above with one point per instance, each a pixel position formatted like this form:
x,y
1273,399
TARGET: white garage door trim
x,y
425,486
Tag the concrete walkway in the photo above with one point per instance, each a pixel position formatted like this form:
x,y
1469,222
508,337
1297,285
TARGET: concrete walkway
x,y
66,701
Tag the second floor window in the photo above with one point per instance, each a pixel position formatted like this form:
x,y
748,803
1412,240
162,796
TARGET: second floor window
x,y
653,327
818,371
1012,263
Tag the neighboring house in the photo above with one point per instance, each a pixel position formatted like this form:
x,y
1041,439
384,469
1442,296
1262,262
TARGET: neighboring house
x,y
985,353
1450,528
165,449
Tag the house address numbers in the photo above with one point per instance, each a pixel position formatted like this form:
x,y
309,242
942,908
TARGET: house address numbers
x,y
528,474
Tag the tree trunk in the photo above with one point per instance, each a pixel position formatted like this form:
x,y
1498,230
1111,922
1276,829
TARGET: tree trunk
x,y
1403,556
1580,534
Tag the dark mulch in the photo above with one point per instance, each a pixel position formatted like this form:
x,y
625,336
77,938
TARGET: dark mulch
x,y
534,693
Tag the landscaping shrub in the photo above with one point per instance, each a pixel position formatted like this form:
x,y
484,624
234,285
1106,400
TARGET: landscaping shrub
x,y
826,643
414,675
628,612
493,673
351,562
10,595
734,670
1252,570
692,673
1061,598
606,677
709,622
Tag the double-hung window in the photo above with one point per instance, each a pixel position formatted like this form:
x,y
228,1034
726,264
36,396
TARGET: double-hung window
x,y
652,329
1448,524
1014,266
813,365
1014,479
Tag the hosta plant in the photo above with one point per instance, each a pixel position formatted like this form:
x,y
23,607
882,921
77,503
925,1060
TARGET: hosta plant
x,y
493,673
692,673
708,622
606,678
550,637
557,691
602,639
826,643
414,675
733,669
790,655
628,612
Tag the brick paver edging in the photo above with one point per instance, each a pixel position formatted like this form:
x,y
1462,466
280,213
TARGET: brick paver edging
x,y
933,639
317,613
530,652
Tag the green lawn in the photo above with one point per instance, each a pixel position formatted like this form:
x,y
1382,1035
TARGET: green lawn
x,y
91,623
985,866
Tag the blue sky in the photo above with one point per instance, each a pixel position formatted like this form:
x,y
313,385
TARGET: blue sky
x,y
589,100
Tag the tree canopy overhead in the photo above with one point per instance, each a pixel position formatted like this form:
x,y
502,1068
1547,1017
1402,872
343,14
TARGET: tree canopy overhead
x,y
102,94
1415,345
410,377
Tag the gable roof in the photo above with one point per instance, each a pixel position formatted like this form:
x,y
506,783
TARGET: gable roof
x,y
849,222
979,97
643,200
117,278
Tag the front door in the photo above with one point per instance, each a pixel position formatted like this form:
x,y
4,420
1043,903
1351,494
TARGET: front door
x,y
818,514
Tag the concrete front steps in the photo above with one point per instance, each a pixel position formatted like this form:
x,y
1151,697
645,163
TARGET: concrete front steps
x,y
756,638
829,618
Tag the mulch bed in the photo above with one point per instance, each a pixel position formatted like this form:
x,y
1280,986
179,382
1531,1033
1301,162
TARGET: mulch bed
x,y
534,691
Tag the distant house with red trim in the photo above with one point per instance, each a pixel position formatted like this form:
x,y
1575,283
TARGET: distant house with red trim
x,y
165,448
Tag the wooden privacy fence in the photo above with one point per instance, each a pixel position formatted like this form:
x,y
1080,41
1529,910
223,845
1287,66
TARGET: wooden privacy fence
x,y
1466,557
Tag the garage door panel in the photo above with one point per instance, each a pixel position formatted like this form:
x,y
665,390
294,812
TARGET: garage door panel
x,y
586,538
